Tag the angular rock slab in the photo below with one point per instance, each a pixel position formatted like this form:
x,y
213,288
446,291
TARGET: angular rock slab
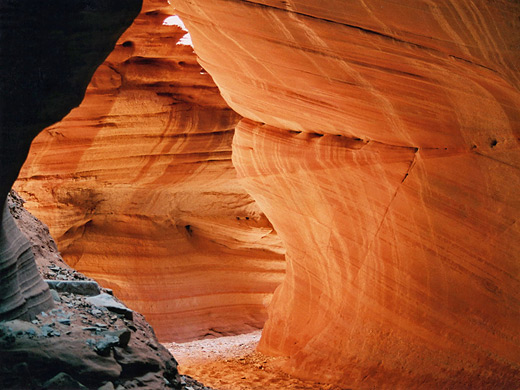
x,y
89,288
108,301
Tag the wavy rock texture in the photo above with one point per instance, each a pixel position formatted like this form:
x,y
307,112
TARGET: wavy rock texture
x,y
93,344
49,52
23,293
382,142
138,188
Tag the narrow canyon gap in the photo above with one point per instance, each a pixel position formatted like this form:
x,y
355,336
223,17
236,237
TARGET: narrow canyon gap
x,y
381,139
138,188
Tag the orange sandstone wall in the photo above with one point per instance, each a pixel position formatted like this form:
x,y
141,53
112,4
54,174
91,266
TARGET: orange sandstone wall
x,y
139,190
381,139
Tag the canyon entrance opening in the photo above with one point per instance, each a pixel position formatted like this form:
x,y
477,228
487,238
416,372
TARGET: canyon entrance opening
x,y
342,174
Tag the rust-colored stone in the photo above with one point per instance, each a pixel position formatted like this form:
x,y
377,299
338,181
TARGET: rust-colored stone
x,y
382,142
138,188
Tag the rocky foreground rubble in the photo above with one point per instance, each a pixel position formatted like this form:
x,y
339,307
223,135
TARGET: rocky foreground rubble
x,y
90,340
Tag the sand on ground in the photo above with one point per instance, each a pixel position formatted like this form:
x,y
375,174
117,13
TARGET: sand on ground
x,y
232,363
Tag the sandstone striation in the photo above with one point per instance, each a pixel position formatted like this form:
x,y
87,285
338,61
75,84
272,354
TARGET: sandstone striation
x,y
138,188
90,340
49,52
22,290
381,139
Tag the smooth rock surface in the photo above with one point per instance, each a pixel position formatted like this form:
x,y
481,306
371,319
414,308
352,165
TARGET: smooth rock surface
x,y
381,140
138,188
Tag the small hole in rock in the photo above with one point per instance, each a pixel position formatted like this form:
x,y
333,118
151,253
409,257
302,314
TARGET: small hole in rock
x,y
493,143
128,44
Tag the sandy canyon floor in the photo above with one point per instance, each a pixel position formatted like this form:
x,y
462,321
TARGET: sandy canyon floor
x,y
232,363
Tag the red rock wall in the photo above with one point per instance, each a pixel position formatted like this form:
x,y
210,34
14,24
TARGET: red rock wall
x,y
138,188
382,142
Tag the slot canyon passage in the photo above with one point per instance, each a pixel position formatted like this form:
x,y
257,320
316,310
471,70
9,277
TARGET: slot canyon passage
x,y
357,158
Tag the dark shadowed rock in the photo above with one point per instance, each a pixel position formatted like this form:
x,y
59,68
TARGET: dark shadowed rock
x,y
81,287
105,345
108,301
63,381
123,336
70,341
49,52
107,386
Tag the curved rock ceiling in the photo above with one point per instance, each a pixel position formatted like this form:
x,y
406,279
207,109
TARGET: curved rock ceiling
x,y
138,188
381,139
